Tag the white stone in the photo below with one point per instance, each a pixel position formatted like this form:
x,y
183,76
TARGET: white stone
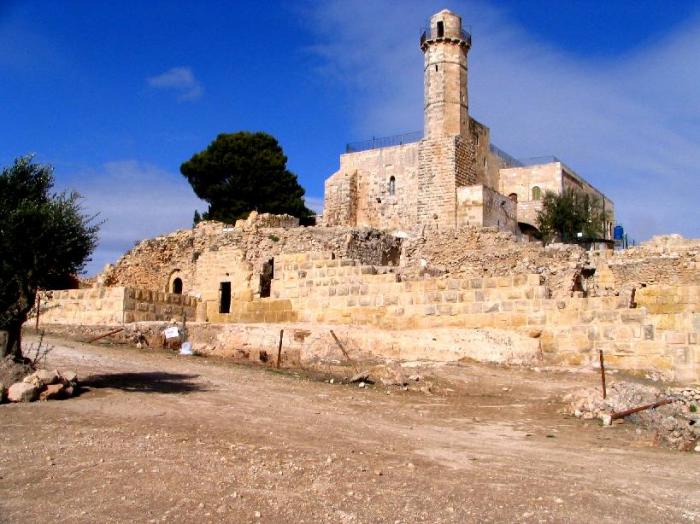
x,y
22,392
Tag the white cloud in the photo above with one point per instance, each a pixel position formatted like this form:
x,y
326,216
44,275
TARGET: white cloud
x,y
180,80
315,203
136,200
629,124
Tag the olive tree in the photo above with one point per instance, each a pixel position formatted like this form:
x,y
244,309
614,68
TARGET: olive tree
x,y
44,238
563,216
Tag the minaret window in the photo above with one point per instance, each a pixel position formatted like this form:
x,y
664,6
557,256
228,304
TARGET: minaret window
x,y
440,29
392,185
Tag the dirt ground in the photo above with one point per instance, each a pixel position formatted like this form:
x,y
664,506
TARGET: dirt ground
x,y
162,438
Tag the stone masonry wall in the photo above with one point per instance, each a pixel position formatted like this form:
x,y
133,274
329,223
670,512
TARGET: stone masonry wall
x,y
358,193
115,305
660,333
670,260
340,199
444,163
213,252
480,206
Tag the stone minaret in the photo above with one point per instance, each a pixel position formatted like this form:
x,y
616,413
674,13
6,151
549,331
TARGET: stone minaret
x,y
446,153
445,48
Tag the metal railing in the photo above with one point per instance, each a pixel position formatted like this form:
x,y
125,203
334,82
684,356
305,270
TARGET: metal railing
x,y
537,160
509,160
427,33
385,141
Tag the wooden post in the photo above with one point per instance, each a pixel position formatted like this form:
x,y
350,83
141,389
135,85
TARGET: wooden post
x,y
344,352
602,373
38,309
279,349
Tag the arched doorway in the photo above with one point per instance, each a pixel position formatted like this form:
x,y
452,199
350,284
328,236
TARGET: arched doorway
x,y
177,286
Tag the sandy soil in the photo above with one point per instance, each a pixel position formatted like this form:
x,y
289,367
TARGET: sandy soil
x,y
163,438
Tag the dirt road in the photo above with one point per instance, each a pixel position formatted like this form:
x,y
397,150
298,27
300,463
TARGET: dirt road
x,y
162,438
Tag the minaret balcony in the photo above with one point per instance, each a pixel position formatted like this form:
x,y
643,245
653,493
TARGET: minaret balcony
x,y
429,36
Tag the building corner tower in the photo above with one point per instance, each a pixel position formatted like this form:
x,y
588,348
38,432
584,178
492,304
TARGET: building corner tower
x,y
446,155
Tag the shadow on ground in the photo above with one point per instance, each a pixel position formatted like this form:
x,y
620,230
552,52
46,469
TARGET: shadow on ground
x,y
147,382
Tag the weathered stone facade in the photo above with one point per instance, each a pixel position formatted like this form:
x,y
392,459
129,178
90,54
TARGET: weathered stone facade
x,y
528,184
437,271
408,184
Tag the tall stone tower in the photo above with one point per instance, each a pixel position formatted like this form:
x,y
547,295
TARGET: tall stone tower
x,y
446,154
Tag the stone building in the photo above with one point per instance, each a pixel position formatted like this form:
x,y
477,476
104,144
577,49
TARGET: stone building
x,y
450,175
446,288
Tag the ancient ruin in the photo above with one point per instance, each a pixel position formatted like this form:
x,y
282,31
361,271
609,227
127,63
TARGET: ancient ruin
x,y
423,254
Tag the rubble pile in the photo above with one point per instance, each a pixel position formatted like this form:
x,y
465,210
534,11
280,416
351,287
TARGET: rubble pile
x,y
676,425
42,385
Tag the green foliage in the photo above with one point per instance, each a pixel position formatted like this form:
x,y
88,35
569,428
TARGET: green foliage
x,y
693,408
274,238
241,172
44,240
565,215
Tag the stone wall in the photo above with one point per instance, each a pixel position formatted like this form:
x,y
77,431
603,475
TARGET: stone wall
x,y
483,207
478,252
552,176
444,164
114,305
256,219
340,199
521,181
212,253
668,260
659,332
358,194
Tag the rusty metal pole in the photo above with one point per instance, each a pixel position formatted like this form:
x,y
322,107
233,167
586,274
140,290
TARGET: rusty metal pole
x,y
113,332
627,412
602,373
279,349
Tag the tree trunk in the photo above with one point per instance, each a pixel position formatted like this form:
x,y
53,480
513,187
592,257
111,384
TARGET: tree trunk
x,y
14,341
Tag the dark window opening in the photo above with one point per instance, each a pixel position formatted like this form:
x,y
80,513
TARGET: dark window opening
x,y
266,276
392,185
225,297
177,286
440,29
513,197
436,68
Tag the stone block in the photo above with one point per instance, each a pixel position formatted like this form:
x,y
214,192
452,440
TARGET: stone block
x,y
675,337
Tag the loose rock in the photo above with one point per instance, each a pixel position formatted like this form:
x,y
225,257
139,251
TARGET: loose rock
x,y
22,392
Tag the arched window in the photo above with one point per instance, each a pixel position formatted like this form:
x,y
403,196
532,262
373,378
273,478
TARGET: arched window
x,y
392,185
177,286
536,193
513,197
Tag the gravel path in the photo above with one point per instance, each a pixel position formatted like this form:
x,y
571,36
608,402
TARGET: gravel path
x,y
162,438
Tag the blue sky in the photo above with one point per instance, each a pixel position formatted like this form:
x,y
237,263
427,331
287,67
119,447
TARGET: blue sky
x,y
116,95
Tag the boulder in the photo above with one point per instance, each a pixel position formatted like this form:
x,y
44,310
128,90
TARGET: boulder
x,y
22,392
70,376
52,391
362,376
42,377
